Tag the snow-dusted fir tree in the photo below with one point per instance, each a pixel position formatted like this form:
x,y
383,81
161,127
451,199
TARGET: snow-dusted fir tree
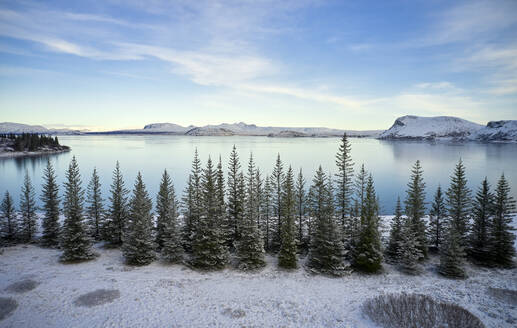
x,y
360,183
192,202
259,192
300,210
75,240
226,225
9,221
415,206
367,254
118,209
267,212
167,208
209,249
326,248
344,185
168,237
235,206
27,210
409,252
479,242
452,255
50,199
277,182
138,247
392,251
287,255
437,218
94,206
354,226
187,202
501,236
459,204
250,248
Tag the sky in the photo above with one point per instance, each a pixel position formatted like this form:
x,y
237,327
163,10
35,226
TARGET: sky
x,y
116,64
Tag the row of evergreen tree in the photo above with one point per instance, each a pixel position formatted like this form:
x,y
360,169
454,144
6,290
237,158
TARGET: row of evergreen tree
x,y
30,141
335,221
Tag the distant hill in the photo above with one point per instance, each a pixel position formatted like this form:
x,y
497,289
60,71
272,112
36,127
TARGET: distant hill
x,y
438,127
497,131
18,128
243,129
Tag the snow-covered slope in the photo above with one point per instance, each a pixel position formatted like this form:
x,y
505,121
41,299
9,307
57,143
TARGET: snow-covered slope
x,y
242,129
417,127
167,127
10,127
497,131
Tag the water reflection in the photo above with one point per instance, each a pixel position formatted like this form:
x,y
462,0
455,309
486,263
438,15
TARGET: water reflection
x,y
389,161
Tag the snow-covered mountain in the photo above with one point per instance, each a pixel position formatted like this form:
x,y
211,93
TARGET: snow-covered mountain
x,y
167,127
243,129
497,131
418,127
17,128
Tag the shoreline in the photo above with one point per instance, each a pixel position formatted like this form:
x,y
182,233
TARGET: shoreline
x,y
17,154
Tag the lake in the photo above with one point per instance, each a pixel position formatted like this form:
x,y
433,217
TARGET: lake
x,y
388,161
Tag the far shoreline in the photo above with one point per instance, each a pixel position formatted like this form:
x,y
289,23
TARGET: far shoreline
x,y
21,154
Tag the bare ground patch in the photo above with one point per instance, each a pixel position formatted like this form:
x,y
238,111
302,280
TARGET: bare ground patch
x,y
413,310
233,313
7,306
22,286
97,297
505,295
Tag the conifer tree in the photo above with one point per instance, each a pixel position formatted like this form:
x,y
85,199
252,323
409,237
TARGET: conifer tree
x,y
208,244
138,247
392,251
415,207
193,201
118,210
259,192
267,212
9,223
452,255
250,250
188,213
27,210
360,186
409,252
501,236
167,209
50,199
226,225
479,246
353,231
300,208
345,183
75,242
287,254
277,181
235,207
95,208
326,248
437,217
367,253
458,204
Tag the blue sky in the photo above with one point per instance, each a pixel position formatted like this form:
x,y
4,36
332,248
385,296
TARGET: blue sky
x,y
342,64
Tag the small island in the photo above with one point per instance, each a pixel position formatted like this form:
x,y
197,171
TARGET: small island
x,y
29,144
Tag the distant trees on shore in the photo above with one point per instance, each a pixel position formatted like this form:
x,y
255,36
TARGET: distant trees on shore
x,y
30,141
335,221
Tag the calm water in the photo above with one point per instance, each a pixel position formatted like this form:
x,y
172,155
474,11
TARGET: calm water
x,y
389,162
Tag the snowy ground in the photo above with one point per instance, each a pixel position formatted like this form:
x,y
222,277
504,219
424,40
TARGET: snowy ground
x,y
160,295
